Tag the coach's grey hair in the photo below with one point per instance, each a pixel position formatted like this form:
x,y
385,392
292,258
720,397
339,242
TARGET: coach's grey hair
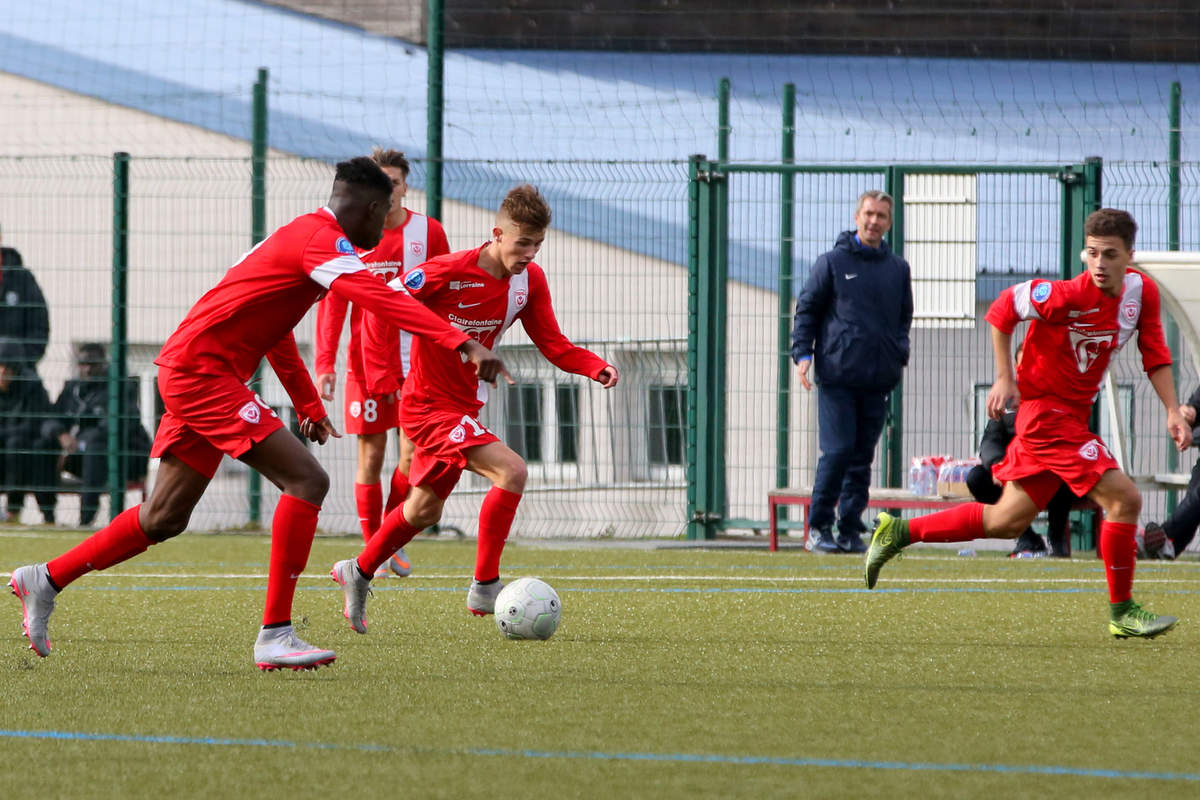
x,y
874,194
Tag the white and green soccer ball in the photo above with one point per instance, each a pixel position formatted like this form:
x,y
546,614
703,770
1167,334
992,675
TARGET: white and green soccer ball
x,y
528,608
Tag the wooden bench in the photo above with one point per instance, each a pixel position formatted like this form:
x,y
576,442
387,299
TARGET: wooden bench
x,y
880,497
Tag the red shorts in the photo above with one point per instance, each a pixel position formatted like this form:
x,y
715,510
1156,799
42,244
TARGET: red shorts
x,y
208,416
440,441
369,413
1053,445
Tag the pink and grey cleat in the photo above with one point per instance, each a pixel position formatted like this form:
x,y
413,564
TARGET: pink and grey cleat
x,y
356,587
31,585
400,564
281,648
481,597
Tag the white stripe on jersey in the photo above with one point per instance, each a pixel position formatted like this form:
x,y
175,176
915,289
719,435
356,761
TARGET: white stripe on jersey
x,y
1131,298
517,285
325,274
1023,302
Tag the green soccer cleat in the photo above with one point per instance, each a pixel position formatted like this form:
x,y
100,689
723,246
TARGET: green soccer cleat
x,y
1137,621
890,537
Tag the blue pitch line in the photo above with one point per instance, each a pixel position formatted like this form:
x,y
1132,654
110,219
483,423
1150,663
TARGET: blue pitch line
x,y
596,755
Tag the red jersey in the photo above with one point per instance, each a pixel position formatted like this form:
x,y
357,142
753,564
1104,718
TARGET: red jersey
x,y
1076,329
456,289
251,312
418,239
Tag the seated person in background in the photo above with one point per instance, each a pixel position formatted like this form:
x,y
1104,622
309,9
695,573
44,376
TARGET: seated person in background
x,y
985,489
1176,532
79,428
26,460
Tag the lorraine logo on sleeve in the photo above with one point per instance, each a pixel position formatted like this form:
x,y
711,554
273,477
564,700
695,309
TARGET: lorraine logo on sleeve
x,y
342,245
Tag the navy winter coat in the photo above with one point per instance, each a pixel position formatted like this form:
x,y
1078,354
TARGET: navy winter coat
x,y
853,316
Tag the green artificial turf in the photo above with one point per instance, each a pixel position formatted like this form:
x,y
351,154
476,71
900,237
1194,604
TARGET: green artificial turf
x,y
675,673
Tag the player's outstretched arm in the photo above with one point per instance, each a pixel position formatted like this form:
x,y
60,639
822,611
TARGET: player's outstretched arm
x,y
608,377
488,365
1004,394
1164,386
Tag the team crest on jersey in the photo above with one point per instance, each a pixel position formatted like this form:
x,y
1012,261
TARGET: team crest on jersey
x,y
458,434
1088,347
415,279
520,296
417,248
342,245
1041,292
1130,311
355,409
1092,450
250,413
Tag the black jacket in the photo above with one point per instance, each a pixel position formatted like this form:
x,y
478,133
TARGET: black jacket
x,y
1194,402
24,317
996,436
853,316
25,406
82,405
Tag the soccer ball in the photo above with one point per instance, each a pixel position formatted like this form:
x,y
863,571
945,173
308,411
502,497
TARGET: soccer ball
x,y
528,608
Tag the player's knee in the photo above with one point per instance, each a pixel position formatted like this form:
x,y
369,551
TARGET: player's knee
x,y
1125,505
514,475
160,524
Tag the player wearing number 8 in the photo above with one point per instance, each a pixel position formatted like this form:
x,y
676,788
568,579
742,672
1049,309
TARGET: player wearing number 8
x,y
408,239
481,292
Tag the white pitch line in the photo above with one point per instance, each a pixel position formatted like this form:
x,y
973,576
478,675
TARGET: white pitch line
x,y
744,579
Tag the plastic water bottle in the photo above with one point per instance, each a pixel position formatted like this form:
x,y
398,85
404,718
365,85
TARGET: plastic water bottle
x,y
967,551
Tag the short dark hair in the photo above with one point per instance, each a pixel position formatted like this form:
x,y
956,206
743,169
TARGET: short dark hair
x,y
1111,222
525,206
390,158
91,353
362,171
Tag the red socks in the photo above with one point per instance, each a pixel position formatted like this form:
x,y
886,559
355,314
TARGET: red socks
x,y
368,499
961,523
495,521
292,529
398,490
394,533
1118,548
120,540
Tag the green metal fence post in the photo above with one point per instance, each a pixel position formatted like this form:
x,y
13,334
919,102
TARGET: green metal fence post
x,y
1174,152
120,327
787,239
893,431
707,309
258,232
435,109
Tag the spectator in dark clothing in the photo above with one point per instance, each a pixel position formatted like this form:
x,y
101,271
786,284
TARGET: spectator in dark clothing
x,y
79,426
1180,527
24,317
26,460
852,319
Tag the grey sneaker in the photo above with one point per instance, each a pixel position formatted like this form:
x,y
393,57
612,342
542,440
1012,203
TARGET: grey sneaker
x,y
400,564
481,597
31,585
356,588
1133,620
281,648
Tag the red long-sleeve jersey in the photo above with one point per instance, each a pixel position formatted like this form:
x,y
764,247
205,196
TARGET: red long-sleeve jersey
x,y
456,289
418,239
251,312
1076,329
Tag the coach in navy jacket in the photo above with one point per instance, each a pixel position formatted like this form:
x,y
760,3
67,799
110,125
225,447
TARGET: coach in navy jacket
x,y
852,322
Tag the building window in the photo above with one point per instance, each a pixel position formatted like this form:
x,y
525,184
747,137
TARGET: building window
x,y
566,397
523,421
665,431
